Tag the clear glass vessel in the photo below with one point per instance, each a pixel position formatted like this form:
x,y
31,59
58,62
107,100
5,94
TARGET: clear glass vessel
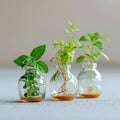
x,y
31,86
63,84
89,81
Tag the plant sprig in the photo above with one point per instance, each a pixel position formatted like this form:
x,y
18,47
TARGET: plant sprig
x,y
33,59
93,47
31,85
66,49
72,28
65,54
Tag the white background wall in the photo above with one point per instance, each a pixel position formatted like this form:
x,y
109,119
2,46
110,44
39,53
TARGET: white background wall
x,y
25,24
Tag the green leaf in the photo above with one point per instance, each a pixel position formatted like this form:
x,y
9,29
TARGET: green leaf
x,y
67,57
56,75
70,23
74,29
99,45
80,59
91,35
25,86
106,38
21,60
41,66
85,38
52,59
67,31
104,55
85,47
95,57
26,94
62,42
97,35
29,61
56,45
38,52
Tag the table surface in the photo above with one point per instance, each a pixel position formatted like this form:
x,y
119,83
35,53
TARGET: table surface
x,y
107,107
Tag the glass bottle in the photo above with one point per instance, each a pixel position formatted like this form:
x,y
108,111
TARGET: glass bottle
x,y
31,86
89,81
63,84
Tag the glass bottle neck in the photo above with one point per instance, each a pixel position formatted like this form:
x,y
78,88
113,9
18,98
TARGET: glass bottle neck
x,y
31,70
64,68
89,65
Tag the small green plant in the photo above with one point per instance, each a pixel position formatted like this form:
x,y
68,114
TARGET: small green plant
x,y
31,76
65,54
93,47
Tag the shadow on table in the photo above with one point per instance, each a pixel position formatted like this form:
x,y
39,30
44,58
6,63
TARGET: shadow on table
x,y
17,101
9,101
4,101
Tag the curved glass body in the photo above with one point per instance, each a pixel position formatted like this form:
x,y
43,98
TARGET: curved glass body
x,y
89,81
63,84
32,86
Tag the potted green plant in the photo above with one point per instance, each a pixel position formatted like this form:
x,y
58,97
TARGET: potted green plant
x,y
89,79
32,85
63,84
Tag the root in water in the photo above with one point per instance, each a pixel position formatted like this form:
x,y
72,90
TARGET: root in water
x,y
90,90
63,88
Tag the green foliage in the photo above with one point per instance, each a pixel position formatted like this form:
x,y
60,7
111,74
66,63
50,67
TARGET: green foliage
x,y
38,52
41,66
72,29
93,47
99,45
21,60
31,83
56,75
66,49
80,59
33,59
30,79
65,54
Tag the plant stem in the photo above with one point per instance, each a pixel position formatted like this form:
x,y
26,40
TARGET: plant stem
x,y
63,88
91,73
90,89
